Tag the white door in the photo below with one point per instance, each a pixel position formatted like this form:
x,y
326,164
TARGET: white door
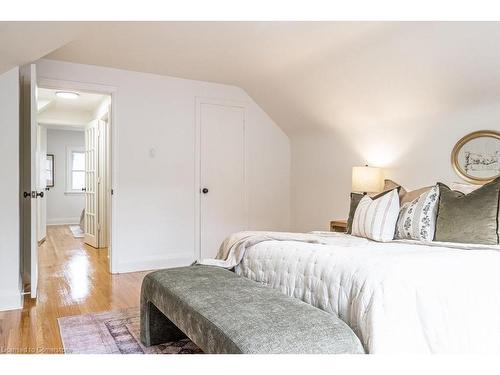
x,y
222,174
91,184
30,177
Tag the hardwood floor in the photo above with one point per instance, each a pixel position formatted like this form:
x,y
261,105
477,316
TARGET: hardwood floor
x,y
73,279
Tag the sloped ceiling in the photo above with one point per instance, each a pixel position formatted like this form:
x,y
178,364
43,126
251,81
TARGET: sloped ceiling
x,y
24,42
308,76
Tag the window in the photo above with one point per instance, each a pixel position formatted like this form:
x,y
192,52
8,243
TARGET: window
x,y
49,170
75,161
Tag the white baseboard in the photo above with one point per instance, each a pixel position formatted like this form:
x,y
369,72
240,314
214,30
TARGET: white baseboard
x,y
63,221
153,264
10,300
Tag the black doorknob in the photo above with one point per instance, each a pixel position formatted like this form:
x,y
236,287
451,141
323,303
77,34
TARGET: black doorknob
x,y
204,190
40,194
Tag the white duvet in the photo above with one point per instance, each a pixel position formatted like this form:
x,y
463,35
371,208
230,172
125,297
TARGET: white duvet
x,y
397,297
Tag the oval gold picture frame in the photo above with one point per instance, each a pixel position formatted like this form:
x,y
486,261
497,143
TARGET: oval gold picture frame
x,y
462,142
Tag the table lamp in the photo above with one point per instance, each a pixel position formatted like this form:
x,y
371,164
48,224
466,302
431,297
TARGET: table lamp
x,y
366,179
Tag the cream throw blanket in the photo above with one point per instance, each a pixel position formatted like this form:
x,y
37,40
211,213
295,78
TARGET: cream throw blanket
x,y
233,248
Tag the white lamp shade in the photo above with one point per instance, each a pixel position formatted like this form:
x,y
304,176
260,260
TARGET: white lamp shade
x,y
366,179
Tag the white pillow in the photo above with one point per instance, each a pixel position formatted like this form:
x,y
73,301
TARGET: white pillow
x,y
376,219
417,219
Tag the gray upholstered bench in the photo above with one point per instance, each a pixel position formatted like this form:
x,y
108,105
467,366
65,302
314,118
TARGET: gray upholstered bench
x,y
224,313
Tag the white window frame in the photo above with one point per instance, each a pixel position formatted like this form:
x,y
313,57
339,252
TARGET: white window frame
x,y
69,170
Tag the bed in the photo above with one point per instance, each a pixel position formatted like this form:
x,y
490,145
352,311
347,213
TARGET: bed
x,y
398,297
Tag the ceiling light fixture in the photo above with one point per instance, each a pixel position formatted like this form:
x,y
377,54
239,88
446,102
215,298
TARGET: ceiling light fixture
x,y
67,94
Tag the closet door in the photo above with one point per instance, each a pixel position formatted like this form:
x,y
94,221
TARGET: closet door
x,y
222,174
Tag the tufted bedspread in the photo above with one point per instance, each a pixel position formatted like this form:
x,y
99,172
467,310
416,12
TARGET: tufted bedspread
x,y
398,296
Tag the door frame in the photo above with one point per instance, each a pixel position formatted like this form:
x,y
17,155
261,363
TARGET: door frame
x,y
112,91
42,203
104,166
199,101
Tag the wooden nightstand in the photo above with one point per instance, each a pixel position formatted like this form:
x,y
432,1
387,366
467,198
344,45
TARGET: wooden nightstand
x,y
338,226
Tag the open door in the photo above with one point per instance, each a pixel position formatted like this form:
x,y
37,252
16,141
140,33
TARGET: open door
x,y
91,228
30,177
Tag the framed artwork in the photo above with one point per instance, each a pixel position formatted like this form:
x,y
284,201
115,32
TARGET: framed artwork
x,y
476,157
49,170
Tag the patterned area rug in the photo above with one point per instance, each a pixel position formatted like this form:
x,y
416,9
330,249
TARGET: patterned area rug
x,y
113,332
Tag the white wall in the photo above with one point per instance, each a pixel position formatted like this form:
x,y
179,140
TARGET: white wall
x,y
414,153
154,218
102,108
10,296
63,208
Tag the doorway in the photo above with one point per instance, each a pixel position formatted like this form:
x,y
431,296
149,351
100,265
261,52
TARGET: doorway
x,y
70,178
72,148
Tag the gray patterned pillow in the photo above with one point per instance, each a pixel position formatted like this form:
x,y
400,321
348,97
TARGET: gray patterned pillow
x,y
417,219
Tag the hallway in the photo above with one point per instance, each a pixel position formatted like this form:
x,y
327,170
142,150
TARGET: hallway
x,y
74,279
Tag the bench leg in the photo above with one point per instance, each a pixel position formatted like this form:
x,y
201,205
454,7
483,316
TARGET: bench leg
x,y
156,328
